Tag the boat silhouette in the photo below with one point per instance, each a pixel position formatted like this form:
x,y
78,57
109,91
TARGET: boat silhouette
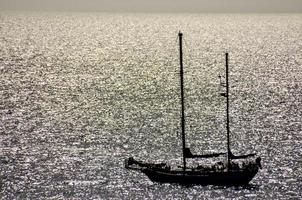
x,y
228,173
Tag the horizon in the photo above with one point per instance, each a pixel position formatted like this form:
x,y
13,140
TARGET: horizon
x,y
156,6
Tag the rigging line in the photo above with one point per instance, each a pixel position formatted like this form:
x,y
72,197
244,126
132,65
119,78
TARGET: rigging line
x,y
176,38
187,44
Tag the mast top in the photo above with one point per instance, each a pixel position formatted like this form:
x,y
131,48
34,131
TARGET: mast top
x,y
180,33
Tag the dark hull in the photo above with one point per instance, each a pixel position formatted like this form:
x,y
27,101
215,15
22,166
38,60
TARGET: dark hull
x,y
241,177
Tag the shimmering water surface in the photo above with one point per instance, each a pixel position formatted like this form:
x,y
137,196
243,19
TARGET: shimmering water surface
x,y
80,92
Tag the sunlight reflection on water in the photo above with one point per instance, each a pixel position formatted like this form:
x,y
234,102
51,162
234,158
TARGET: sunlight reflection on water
x,y
81,92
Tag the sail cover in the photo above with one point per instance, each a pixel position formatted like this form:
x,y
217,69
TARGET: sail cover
x,y
232,156
188,154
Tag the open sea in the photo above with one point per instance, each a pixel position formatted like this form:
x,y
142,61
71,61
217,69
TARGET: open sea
x,y
80,92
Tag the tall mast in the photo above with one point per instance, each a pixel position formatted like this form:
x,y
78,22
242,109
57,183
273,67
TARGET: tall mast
x,y
227,106
182,102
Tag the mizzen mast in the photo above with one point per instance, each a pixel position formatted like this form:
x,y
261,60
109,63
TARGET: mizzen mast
x,y
227,105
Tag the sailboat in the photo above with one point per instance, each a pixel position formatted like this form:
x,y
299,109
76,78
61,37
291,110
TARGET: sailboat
x,y
227,173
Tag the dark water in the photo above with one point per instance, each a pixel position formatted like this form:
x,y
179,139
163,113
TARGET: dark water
x,y
81,92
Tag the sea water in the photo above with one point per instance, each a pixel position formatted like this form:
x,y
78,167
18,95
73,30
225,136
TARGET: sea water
x,y
80,92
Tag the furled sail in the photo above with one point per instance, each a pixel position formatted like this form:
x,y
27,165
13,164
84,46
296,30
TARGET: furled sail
x,y
232,156
188,154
